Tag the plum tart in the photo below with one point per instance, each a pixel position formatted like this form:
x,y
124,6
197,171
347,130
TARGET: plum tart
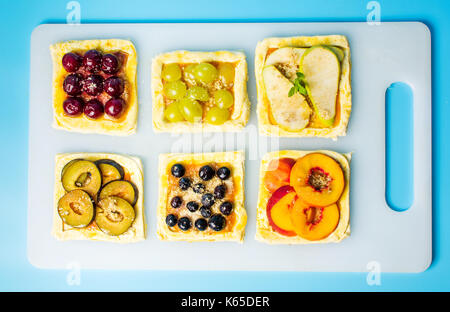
x,y
303,86
201,197
94,86
303,197
98,197
199,91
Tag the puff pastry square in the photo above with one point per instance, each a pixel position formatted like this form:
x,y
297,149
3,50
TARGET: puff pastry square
x,y
264,231
126,124
235,222
133,169
344,98
241,110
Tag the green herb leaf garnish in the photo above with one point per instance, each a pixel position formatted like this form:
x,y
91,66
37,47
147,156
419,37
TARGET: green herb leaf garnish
x,y
299,85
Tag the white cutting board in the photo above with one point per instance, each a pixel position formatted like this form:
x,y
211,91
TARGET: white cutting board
x,y
381,55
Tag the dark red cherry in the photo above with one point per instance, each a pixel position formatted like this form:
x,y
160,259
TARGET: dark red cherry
x,y
114,107
92,61
110,64
113,86
73,106
93,109
93,85
72,84
71,62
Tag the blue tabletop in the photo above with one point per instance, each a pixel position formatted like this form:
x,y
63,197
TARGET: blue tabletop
x,y
20,17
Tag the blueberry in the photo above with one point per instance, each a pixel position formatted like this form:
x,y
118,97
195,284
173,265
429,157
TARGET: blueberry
x,y
184,223
217,222
171,220
176,202
223,173
207,200
184,183
206,173
206,212
199,188
177,170
201,224
226,208
192,206
219,191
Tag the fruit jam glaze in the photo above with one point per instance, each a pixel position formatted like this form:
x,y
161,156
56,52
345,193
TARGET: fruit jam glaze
x,y
95,84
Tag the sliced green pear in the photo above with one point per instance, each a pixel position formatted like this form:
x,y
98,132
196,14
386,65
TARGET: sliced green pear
x,y
322,68
338,51
286,60
290,113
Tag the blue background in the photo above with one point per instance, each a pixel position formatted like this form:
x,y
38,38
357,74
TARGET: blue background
x,y
19,18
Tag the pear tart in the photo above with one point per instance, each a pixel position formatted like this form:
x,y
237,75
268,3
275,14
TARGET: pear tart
x,y
201,197
94,86
303,86
98,197
303,197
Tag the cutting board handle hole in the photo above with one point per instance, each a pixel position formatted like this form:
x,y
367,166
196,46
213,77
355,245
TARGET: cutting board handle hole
x,y
399,136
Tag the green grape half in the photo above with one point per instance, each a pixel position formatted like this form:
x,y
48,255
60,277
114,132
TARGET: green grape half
x,y
171,72
191,109
198,93
223,98
188,72
226,72
205,73
217,116
172,112
175,90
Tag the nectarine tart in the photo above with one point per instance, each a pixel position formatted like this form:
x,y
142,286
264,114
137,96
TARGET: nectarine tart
x,y
201,197
303,86
303,197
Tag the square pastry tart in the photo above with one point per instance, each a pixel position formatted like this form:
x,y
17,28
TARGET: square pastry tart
x,y
200,91
94,86
303,197
303,86
98,197
201,197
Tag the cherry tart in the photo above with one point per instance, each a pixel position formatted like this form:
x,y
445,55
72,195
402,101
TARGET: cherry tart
x,y
303,197
201,197
94,86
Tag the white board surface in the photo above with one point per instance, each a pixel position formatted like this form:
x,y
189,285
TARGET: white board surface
x,y
381,55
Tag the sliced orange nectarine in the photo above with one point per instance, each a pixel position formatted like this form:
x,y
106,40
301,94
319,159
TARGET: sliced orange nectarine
x,y
278,210
314,223
318,179
278,173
